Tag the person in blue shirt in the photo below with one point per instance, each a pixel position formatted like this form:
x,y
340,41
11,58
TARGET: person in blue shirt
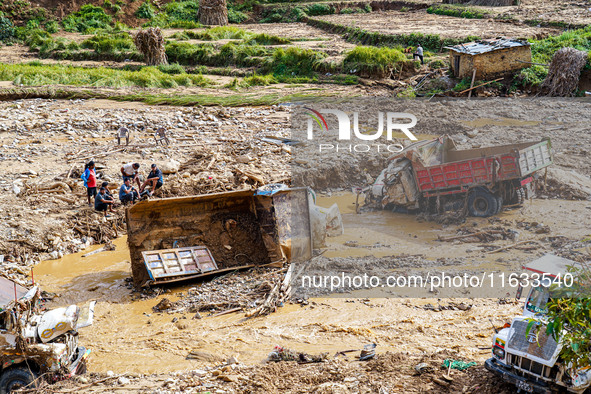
x,y
102,202
154,180
128,193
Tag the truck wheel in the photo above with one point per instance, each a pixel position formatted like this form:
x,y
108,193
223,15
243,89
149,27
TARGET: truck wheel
x,y
15,378
482,204
499,204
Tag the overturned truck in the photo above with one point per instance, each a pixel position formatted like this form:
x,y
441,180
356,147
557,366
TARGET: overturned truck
x,y
181,238
435,176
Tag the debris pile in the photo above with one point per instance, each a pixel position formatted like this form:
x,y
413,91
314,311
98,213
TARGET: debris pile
x,y
257,291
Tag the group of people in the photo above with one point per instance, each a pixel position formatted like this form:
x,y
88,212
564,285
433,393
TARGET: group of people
x,y
103,199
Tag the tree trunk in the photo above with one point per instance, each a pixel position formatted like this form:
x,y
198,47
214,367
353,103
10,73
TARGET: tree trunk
x,y
213,12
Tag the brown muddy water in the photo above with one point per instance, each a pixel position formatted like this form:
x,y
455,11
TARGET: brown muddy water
x,y
128,337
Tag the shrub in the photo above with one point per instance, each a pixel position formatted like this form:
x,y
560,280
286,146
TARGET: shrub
x,y
145,11
173,68
267,39
437,63
294,60
86,20
236,16
7,30
108,43
372,61
52,27
258,80
182,10
457,11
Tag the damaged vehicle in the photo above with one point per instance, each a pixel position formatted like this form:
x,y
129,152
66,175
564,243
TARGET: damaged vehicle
x,y
36,344
530,359
434,176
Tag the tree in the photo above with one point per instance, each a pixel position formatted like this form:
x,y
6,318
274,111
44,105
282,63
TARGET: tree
x,y
569,317
213,12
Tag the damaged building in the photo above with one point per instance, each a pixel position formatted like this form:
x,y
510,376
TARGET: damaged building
x,y
489,57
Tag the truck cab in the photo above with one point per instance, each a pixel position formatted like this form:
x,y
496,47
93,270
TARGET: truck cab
x,y
531,360
36,343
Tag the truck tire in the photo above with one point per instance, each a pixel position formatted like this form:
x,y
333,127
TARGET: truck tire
x,y
499,204
15,378
482,203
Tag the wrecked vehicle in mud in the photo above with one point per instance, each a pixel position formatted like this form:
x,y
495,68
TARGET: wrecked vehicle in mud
x,y
186,238
530,359
36,344
434,176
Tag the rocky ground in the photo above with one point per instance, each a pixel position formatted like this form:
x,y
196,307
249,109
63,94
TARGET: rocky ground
x,y
45,144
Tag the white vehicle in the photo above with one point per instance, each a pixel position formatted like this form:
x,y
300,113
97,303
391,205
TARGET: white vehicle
x,y
531,362
35,344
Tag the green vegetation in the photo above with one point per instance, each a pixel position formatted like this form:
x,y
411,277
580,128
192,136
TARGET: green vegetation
x,y
543,50
52,27
145,11
231,32
431,42
297,61
6,29
177,14
459,11
437,63
110,44
372,61
299,12
89,19
35,74
236,16
173,68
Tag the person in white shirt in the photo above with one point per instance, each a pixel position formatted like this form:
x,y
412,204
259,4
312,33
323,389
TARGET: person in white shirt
x,y
130,171
418,53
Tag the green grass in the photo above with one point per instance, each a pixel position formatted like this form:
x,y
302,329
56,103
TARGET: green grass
x,y
35,74
372,61
230,33
458,11
107,43
543,50
297,61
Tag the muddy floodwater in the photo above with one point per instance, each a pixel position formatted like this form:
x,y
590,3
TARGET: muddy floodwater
x,y
128,336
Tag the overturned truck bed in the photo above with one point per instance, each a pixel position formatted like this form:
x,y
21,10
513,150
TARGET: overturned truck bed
x,y
240,229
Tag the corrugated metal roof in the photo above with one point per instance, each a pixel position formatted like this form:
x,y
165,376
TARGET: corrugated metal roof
x,y
483,46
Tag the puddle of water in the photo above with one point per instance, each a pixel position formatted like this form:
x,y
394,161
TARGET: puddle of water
x,y
481,122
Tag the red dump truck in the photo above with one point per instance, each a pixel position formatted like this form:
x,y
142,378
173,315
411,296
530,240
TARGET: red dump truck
x,y
435,176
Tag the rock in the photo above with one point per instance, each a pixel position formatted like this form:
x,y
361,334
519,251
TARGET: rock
x,y
228,378
232,360
201,355
170,167
123,380
197,316
243,159
110,374
163,305
472,133
16,190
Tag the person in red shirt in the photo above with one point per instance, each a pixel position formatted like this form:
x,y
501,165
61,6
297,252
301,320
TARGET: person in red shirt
x,y
89,177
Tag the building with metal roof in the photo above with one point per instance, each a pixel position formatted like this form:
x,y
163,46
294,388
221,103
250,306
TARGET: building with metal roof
x,y
486,58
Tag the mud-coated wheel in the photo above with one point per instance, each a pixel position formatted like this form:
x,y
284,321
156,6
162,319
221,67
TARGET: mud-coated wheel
x,y
499,204
520,195
482,204
15,378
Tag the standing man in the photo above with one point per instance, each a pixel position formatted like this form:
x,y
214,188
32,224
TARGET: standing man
x,y
419,53
102,202
127,193
155,179
130,170
89,178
